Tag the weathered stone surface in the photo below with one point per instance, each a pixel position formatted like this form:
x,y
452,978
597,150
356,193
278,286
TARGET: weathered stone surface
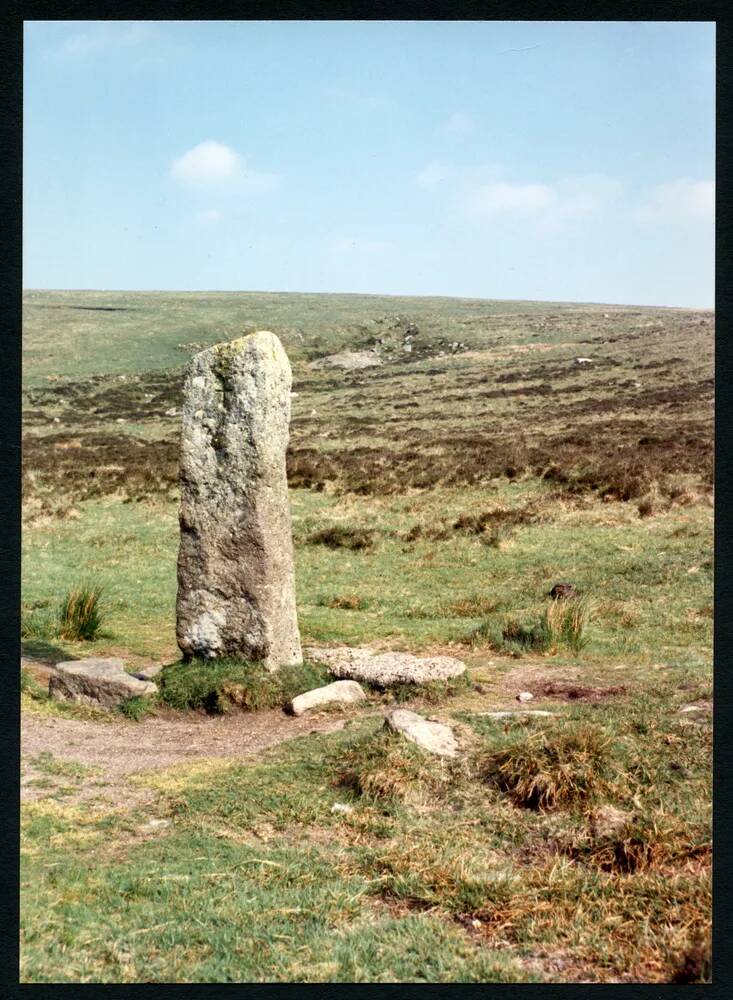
x,y
431,736
350,360
340,692
385,669
525,696
608,821
147,673
236,586
101,683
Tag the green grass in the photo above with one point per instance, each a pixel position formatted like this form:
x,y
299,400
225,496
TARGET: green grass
x,y
647,607
266,883
436,499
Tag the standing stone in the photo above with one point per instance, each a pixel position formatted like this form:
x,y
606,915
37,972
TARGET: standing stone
x,y
236,584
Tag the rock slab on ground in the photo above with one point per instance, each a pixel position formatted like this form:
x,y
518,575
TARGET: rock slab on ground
x,y
340,692
236,581
435,737
385,669
101,683
350,360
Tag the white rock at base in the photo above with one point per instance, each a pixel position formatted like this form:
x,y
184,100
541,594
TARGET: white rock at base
x,y
431,736
525,696
340,692
385,669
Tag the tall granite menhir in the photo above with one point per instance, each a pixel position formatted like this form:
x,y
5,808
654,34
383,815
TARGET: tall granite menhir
x,y
236,585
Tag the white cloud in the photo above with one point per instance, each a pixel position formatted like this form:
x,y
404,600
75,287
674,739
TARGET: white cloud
x,y
680,200
458,124
214,164
209,161
485,193
102,37
501,197
569,198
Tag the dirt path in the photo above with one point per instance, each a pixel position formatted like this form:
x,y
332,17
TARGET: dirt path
x,y
126,747
117,749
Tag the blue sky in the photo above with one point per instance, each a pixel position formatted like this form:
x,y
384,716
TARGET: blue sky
x,y
567,161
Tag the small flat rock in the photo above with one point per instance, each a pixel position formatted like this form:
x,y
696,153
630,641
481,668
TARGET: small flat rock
x,y
155,824
431,736
340,692
526,711
607,821
525,696
386,669
147,673
101,683
342,807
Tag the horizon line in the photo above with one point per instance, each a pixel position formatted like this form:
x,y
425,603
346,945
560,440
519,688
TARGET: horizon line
x,y
376,295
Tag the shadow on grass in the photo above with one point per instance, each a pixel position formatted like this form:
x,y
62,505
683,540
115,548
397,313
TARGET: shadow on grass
x,y
41,649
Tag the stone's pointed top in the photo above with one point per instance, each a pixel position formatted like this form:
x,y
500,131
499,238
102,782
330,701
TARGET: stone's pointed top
x,y
261,343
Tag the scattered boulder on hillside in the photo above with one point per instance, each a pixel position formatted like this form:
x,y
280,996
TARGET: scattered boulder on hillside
x,y
236,580
101,683
385,669
340,692
563,591
431,736
350,360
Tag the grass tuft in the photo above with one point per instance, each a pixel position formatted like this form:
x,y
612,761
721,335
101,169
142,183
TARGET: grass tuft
x,y
137,707
346,602
567,622
562,623
386,768
340,536
549,769
471,607
80,615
